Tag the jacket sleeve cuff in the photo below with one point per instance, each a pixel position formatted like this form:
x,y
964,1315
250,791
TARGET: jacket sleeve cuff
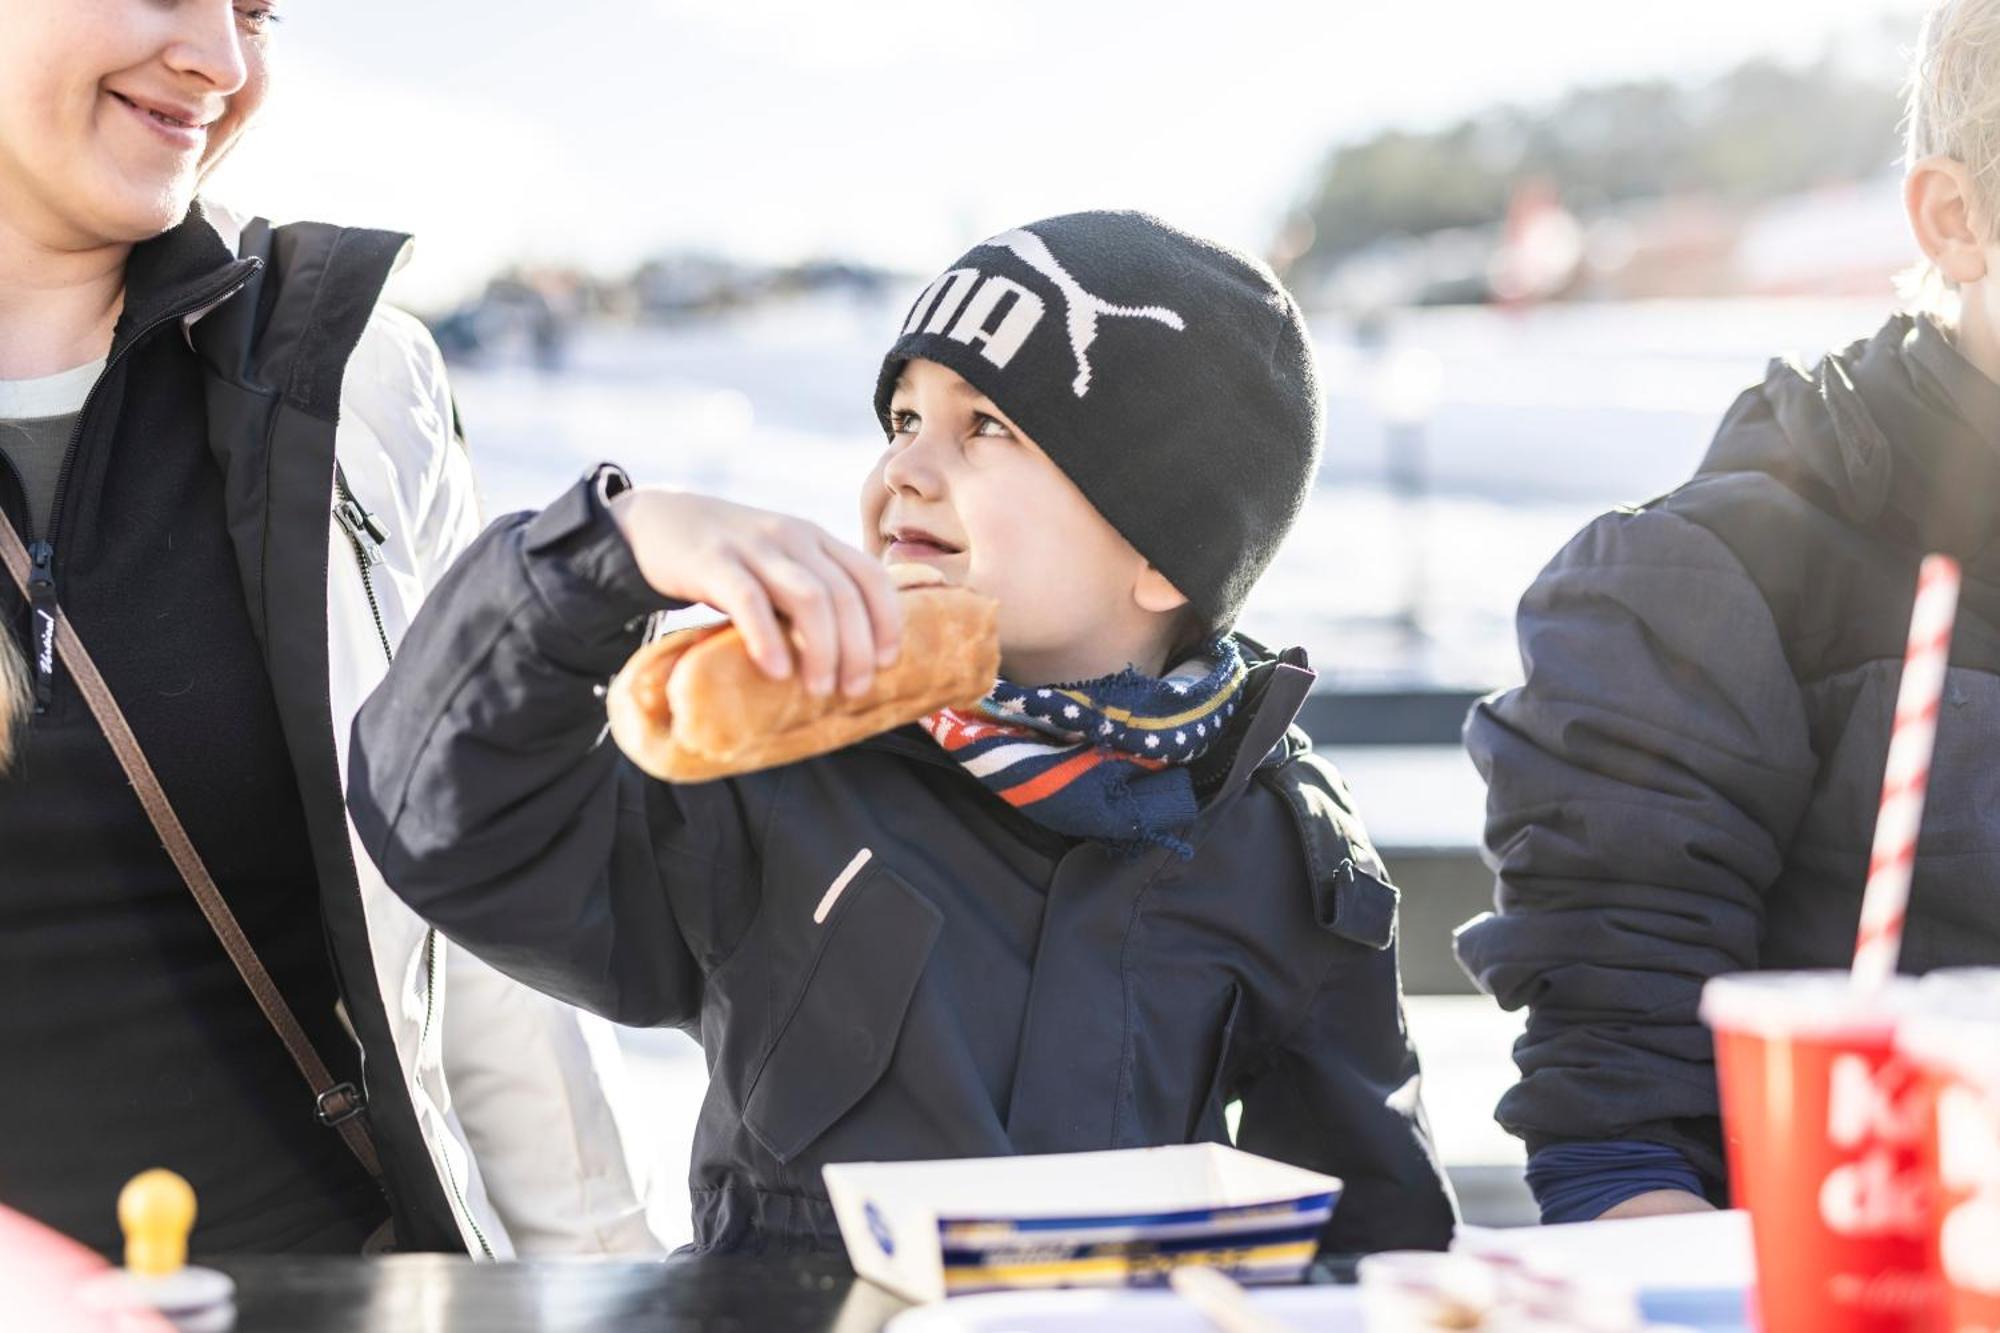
x,y
1580,1181
584,574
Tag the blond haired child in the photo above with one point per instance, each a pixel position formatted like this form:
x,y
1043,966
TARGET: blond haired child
x,y
1687,782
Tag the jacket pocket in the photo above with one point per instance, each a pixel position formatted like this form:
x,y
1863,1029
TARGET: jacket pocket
x,y
1355,905
1352,894
837,1042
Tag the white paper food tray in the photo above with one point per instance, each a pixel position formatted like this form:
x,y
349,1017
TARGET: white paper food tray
x,y
926,1230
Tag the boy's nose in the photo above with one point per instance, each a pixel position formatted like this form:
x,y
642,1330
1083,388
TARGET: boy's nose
x,y
913,468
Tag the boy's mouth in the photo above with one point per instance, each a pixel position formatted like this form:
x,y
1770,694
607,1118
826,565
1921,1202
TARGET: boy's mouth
x,y
916,544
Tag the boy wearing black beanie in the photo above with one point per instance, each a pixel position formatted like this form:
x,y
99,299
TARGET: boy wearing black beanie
x,y
1115,897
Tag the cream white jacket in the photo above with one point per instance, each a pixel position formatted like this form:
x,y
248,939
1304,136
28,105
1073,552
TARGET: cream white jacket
x,y
510,1087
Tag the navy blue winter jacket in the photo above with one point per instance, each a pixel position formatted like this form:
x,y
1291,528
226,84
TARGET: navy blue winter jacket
x,y
1686,784
982,986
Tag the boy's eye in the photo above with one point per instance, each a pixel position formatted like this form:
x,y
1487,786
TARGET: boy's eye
x,y
905,422
258,18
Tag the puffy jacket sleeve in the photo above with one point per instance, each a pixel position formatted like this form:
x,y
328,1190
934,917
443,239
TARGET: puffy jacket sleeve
x,y
1642,786
485,788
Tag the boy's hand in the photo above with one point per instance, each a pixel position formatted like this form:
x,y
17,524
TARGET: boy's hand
x,y
761,569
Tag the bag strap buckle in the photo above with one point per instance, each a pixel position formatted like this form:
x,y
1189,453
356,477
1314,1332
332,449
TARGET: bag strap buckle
x,y
339,1104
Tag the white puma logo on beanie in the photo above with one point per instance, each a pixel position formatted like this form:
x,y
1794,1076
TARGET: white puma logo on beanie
x,y
1083,307
961,304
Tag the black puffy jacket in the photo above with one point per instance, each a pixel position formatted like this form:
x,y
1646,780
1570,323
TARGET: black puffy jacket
x,y
1686,784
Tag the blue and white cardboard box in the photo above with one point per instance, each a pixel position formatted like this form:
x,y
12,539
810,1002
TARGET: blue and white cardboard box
x,y
927,1230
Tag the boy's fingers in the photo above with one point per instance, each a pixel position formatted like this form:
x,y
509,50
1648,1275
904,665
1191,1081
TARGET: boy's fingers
x,y
878,590
740,595
854,633
802,597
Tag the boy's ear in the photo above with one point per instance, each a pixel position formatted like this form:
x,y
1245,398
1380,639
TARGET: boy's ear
x,y
1154,593
1944,217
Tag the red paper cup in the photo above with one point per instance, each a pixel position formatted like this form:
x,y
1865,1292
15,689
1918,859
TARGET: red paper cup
x,y
1824,1122
1955,1045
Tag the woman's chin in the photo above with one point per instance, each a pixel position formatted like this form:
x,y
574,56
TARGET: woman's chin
x,y
134,207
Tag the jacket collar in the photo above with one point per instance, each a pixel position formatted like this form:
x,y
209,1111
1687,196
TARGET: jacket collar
x,y
185,270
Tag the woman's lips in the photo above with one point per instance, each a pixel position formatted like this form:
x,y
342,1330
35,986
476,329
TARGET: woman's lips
x,y
178,133
908,549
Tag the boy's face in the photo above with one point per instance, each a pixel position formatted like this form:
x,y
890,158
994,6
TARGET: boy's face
x,y
960,489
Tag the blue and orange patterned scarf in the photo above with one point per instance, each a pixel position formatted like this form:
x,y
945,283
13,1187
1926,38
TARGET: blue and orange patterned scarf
x,y
1105,759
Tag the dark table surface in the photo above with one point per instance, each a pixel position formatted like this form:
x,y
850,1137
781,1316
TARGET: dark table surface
x,y
432,1293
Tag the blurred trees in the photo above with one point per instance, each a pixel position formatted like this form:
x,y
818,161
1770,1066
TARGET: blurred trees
x,y
1760,131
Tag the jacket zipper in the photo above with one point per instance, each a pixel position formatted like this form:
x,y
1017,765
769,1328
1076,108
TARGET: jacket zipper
x,y
367,536
42,611
430,1007
42,553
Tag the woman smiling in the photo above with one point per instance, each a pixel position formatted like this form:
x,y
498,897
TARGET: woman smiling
x,y
227,476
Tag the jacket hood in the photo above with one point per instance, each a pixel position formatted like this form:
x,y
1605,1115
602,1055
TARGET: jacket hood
x,y
1263,664
1897,433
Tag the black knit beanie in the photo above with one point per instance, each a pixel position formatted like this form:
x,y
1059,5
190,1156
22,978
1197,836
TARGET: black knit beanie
x,y
1170,378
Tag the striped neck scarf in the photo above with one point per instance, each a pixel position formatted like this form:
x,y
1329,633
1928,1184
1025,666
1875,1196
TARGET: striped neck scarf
x,y
1104,759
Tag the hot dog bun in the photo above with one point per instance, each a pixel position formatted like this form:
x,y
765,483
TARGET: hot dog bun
x,y
692,706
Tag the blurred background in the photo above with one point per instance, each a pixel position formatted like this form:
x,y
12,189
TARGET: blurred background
x,y
1543,246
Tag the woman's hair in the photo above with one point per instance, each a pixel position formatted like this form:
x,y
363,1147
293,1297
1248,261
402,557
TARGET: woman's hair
x,y
1952,109
13,699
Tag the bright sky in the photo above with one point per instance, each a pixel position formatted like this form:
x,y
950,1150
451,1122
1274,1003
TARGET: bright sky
x,y
898,131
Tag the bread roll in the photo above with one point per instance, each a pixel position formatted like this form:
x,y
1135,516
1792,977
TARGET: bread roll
x,y
693,706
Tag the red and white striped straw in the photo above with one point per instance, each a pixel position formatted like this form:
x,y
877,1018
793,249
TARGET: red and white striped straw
x,y
1887,896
